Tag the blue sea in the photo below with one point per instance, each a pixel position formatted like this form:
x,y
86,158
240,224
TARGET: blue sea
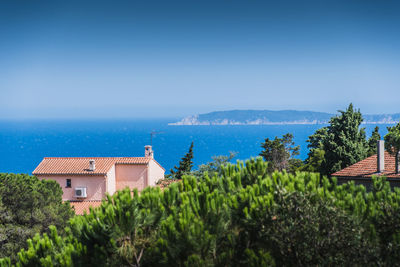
x,y
23,143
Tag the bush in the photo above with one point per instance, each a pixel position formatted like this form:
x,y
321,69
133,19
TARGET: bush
x,y
244,217
28,206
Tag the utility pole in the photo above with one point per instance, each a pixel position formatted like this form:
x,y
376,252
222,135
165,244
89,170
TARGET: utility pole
x,y
153,133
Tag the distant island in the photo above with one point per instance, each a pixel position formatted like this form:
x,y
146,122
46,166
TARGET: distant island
x,y
270,117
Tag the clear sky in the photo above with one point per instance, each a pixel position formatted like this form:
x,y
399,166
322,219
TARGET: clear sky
x,y
177,58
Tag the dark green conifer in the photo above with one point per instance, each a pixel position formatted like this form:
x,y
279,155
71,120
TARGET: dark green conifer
x,y
373,140
28,206
345,142
185,165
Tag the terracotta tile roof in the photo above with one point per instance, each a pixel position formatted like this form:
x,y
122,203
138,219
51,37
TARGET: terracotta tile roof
x,y
79,166
368,168
82,207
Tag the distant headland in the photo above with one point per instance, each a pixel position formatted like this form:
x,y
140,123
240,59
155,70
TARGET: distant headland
x,y
280,117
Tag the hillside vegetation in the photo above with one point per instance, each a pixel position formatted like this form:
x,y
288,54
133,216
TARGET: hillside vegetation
x,y
243,216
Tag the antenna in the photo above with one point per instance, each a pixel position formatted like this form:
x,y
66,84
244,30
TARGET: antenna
x,y
153,133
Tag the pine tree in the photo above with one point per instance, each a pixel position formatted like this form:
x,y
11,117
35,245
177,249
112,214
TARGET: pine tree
x,y
245,217
372,141
316,154
215,166
185,165
345,143
28,206
279,152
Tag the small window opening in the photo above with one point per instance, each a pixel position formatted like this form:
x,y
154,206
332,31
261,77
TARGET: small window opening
x,y
68,184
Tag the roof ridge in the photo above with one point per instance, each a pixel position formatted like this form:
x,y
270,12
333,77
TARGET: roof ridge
x,y
158,164
80,165
90,157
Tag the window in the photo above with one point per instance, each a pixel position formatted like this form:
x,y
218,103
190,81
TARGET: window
x,y
68,184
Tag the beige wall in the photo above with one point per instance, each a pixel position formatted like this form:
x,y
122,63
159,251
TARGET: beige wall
x,y
111,183
132,176
155,173
95,185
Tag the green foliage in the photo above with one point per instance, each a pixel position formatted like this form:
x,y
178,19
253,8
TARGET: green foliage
x,y
298,226
392,143
345,143
316,154
314,160
52,250
5,262
185,165
28,206
315,141
342,141
279,151
215,166
372,141
295,165
246,216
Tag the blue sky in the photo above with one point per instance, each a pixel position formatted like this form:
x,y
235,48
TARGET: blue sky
x,y
176,58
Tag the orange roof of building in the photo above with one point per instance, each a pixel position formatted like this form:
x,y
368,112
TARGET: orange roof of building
x,y
79,166
82,207
368,168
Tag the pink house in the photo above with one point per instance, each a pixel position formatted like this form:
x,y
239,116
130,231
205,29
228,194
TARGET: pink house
x,y
85,181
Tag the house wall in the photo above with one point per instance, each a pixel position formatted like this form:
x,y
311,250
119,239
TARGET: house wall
x,y
155,173
95,185
111,183
130,175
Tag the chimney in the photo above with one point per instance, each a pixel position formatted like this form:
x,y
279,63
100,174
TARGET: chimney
x,y
92,165
148,151
381,156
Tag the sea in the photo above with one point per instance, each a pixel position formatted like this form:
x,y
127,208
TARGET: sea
x,y
24,143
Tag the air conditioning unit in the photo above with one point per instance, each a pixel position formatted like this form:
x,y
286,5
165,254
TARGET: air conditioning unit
x,y
80,192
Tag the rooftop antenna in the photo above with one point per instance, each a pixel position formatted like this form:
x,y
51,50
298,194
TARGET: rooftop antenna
x,y
153,133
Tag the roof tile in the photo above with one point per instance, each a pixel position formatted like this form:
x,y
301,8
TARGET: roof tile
x,y
368,168
80,165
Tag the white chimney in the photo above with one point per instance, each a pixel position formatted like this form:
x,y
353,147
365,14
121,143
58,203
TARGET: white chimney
x,y
381,156
92,165
148,151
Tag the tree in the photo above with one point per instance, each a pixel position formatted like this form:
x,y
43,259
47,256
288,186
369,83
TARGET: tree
x,y
279,151
28,206
316,154
215,166
245,217
185,165
340,144
392,143
344,143
297,227
316,140
314,161
373,140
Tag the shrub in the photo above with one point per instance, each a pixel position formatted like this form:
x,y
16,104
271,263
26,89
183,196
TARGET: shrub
x,y
243,217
